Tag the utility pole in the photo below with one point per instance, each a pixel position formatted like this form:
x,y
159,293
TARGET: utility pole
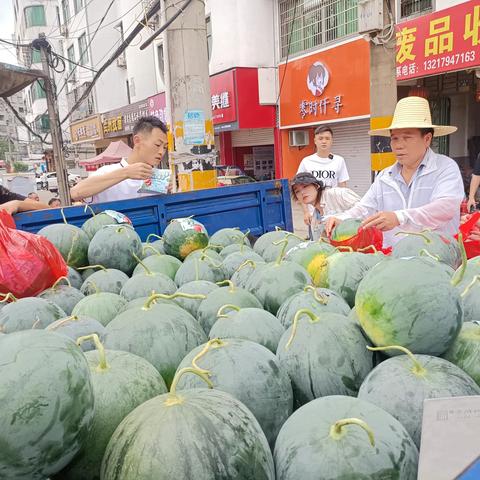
x,y
188,84
56,132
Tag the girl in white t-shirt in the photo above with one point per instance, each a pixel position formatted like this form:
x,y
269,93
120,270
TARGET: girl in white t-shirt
x,y
324,165
309,191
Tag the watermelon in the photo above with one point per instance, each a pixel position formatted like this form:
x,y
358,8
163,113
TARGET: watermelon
x,y
400,384
105,280
87,271
267,239
317,300
162,334
231,295
103,306
74,327
47,403
74,278
152,248
27,313
115,246
275,282
194,434
232,262
345,230
145,302
244,272
98,221
340,438
442,247
72,242
121,381
228,236
198,287
471,299
465,350
145,284
193,271
343,271
250,373
212,259
165,264
273,251
409,302
184,235
225,252
65,296
324,355
252,324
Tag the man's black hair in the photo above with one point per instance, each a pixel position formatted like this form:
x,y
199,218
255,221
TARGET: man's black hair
x,y
147,124
425,131
54,199
323,129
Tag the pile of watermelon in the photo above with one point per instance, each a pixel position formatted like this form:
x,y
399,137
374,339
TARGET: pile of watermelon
x,y
191,356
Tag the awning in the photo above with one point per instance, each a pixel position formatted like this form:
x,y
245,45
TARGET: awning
x,y
13,79
112,154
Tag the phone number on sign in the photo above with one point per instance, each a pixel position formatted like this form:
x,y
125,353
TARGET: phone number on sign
x,y
449,60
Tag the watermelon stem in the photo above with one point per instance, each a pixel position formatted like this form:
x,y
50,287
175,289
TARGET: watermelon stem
x,y
418,234
8,296
92,266
344,248
319,297
63,216
467,290
278,229
102,365
149,272
173,399
63,321
154,235
55,285
147,247
213,343
229,283
211,260
417,366
151,299
242,241
460,272
303,311
220,313
278,261
88,207
336,429
369,247
245,263
426,253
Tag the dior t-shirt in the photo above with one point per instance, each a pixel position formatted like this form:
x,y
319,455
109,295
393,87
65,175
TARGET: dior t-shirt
x,y
331,171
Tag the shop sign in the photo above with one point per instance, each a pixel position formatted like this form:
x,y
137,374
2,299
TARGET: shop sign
x,y
222,88
157,106
122,120
443,41
87,130
316,87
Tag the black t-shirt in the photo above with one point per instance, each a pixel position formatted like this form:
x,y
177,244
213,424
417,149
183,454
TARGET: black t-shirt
x,y
476,168
6,195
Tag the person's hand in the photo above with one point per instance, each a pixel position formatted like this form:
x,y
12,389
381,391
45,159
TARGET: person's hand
x,y
307,218
138,171
10,207
384,221
471,203
330,224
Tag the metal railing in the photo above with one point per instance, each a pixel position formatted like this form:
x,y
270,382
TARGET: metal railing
x,y
410,8
305,24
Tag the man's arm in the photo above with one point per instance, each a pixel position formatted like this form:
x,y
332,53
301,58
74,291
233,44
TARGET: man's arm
x,y
98,183
16,206
474,184
342,184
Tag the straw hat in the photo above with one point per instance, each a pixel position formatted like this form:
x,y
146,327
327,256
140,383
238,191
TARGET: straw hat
x,y
413,112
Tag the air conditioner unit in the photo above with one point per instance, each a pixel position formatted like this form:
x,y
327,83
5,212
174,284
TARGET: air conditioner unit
x,y
122,61
64,30
298,138
370,16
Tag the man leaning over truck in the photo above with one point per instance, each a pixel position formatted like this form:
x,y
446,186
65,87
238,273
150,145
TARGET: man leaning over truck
x,y
122,180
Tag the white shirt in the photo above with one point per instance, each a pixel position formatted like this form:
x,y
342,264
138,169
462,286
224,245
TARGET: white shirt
x,y
122,190
331,171
432,200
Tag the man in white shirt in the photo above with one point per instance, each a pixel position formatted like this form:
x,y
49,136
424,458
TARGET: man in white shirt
x,y
122,180
422,190
324,165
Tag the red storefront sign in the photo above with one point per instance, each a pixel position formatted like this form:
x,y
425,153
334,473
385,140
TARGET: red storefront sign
x,y
222,89
157,106
444,41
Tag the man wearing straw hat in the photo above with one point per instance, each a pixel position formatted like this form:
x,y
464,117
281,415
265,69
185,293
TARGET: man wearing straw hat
x,y
422,190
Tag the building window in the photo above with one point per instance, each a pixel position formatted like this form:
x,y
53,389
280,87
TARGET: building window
x,y
36,57
2,118
65,11
208,23
38,90
82,49
305,24
409,8
42,123
71,57
77,5
161,62
35,16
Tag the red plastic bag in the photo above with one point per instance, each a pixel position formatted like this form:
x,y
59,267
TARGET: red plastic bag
x,y
472,247
364,240
28,263
6,219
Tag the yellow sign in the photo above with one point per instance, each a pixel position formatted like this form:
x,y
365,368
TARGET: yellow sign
x,y
87,130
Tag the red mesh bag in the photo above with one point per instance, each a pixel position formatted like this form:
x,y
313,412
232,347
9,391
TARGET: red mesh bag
x,y
364,240
28,263
472,247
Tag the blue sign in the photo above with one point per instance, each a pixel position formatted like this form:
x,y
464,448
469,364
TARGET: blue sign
x,y
194,127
